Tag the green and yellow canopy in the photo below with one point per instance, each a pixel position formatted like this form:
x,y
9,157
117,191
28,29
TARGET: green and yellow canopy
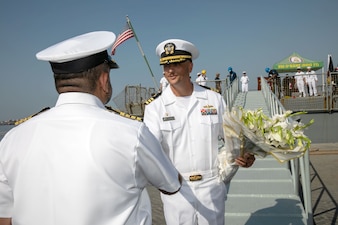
x,y
290,64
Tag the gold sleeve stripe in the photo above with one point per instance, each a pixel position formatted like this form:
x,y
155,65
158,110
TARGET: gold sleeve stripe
x,y
20,121
123,114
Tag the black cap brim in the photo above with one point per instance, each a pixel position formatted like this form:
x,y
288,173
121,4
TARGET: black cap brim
x,y
112,64
83,64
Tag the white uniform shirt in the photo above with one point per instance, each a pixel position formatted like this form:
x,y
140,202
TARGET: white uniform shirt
x,y
81,164
311,76
202,80
164,83
188,129
299,76
244,79
189,135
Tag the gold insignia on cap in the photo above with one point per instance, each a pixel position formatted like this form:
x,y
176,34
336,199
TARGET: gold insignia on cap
x,y
173,54
174,59
169,48
176,51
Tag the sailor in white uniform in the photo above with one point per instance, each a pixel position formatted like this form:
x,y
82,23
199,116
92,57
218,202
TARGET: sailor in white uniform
x,y
245,82
300,81
312,81
187,120
163,84
79,163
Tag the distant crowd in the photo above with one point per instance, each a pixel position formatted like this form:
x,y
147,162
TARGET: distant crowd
x,y
301,84
202,80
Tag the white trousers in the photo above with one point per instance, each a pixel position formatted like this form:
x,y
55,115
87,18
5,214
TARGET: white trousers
x,y
198,202
312,87
245,87
300,86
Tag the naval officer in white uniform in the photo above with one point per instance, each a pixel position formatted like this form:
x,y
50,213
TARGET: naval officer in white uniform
x,y
78,163
311,80
187,120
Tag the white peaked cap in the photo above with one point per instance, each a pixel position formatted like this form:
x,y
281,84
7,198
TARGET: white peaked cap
x,y
175,51
79,53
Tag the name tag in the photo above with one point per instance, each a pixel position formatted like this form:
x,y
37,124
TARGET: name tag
x,y
168,118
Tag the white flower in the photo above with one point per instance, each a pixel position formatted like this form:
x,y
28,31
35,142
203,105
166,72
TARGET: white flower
x,y
279,135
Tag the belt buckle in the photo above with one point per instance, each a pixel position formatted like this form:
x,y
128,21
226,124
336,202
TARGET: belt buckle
x,y
195,177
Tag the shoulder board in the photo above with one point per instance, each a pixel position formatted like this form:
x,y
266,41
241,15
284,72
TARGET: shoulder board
x,y
109,108
31,116
147,102
209,88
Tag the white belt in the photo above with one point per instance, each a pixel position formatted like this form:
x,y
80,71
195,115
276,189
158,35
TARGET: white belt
x,y
196,176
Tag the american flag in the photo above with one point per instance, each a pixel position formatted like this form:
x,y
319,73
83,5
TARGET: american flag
x,y
125,35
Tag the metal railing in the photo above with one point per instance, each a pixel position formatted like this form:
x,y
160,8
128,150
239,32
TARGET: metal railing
x,y
131,99
231,91
299,167
285,88
228,90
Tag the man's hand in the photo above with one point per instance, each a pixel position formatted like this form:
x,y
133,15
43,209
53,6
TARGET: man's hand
x,y
171,193
246,161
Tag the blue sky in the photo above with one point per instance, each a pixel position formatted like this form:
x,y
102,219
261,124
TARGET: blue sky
x,y
247,35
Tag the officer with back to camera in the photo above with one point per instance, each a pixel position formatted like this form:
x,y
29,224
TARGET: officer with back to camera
x,y
78,163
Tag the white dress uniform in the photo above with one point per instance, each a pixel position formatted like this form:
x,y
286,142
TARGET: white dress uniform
x,y
201,80
204,80
188,130
78,163
81,164
164,83
245,83
311,80
299,76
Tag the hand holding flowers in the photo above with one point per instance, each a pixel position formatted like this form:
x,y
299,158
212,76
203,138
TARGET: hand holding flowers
x,y
254,132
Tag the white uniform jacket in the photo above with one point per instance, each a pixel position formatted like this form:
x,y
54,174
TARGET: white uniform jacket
x,y
312,76
188,136
245,79
300,78
81,164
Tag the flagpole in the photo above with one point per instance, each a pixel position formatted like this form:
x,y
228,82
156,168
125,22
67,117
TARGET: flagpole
x,y
139,46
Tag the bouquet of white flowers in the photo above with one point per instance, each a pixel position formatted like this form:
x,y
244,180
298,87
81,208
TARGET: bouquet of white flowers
x,y
279,136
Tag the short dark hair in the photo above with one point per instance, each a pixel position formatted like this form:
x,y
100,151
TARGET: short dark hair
x,y
85,81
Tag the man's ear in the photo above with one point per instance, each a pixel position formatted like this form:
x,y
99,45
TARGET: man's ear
x,y
191,67
104,81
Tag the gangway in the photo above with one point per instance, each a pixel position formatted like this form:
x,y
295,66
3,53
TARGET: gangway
x,y
269,192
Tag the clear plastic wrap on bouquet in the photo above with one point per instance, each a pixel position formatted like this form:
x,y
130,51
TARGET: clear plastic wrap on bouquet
x,y
259,147
233,127
228,152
